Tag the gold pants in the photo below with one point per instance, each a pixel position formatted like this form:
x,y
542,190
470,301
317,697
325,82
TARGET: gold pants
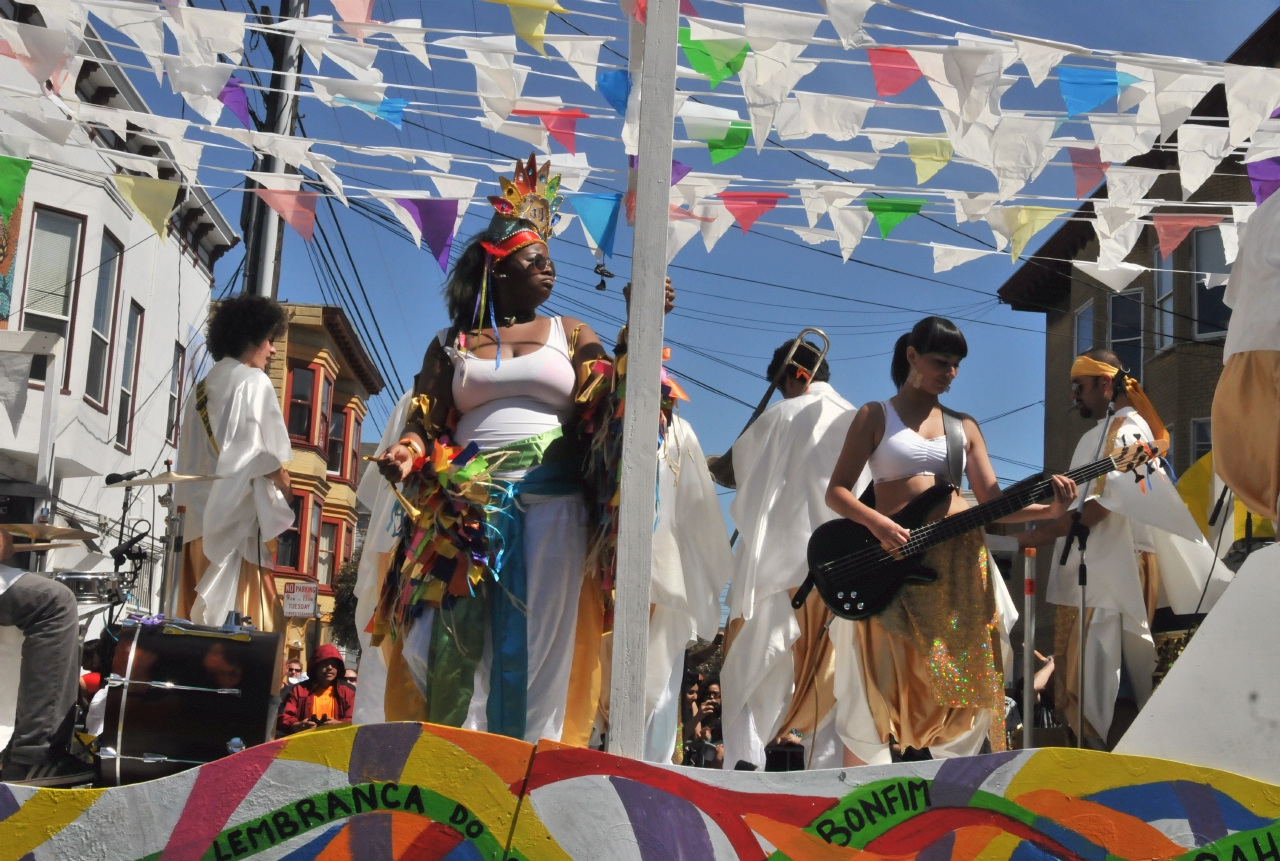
x,y
255,595
1067,642
1246,429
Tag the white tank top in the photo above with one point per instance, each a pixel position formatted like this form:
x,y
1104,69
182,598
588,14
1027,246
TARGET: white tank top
x,y
903,453
523,397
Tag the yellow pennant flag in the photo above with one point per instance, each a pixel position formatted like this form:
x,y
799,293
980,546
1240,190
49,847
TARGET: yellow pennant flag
x,y
1031,220
529,18
929,155
153,199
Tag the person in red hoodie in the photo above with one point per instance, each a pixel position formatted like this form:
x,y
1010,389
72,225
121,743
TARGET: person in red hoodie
x,y
324,699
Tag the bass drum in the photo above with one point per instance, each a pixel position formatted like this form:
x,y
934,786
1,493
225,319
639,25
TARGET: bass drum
x,y
181,695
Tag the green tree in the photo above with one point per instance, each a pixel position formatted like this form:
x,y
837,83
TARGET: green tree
x,y
344,604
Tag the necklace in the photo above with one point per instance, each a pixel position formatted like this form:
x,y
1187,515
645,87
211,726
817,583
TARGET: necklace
x,y
507,322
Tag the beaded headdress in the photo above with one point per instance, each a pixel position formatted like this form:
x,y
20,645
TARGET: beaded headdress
x,y
527,209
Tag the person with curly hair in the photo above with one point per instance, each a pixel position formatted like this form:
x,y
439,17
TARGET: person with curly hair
x,y
233,428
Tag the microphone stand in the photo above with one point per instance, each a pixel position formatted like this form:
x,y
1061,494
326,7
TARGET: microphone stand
x,y
1080,533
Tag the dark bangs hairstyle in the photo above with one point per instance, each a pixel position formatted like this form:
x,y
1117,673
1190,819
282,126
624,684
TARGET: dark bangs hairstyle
x,y
804,356
241,322
930,335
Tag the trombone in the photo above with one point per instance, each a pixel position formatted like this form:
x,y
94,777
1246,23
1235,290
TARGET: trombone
x,y
721,466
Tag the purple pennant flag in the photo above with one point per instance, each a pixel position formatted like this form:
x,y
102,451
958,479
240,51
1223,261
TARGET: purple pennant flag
x,y
435,218
1264,176
678,171
234,98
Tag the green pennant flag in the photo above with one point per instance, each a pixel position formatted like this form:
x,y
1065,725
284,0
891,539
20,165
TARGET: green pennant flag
x,y
13,178
892,211
731,144
718,59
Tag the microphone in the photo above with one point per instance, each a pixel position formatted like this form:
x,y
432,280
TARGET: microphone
x,y
126,550
116,478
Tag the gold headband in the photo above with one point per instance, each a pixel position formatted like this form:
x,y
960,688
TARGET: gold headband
x,y
1085,366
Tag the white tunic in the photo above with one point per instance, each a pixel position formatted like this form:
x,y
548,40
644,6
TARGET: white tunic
x,y
1253,291
782,464
239,512
1156,521
691,565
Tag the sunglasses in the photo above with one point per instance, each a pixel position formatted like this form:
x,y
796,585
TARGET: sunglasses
x,y
541,263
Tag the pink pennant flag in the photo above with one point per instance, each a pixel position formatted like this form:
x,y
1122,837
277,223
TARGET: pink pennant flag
x,y
641,9
1089,168
561,125
893,69
747,206
297,208
1172,229
354,12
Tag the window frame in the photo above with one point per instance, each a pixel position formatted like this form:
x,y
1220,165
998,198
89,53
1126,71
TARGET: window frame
x,y
338,529
1195,424
322,375
67,352
127,447
174,425
1134,295
1161,265
1076,317
1196,285
340,474
104,406
304,499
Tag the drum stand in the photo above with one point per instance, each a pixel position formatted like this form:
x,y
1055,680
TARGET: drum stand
x,y
172,569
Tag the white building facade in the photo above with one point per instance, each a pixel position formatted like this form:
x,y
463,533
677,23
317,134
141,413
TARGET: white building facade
x,y
130,307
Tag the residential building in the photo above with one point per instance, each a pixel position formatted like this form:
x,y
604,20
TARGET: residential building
x,y
325,378
128,306
1168,325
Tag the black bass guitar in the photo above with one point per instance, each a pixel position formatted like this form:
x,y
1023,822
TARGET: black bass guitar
x,y
857,578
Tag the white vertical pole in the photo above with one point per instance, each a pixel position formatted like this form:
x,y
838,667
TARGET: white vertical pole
x,y
644,360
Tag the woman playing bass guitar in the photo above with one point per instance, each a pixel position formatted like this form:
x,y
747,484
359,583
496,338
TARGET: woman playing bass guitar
x,y
928,669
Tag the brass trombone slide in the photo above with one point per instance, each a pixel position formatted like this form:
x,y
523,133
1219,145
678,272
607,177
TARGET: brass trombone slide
x,y
721,466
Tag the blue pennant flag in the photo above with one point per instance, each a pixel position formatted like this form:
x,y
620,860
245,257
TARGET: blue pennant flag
x,y
392,110
599,216
1085,89
615,86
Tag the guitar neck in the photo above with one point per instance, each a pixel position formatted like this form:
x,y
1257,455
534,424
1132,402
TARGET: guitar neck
x,y
1016,499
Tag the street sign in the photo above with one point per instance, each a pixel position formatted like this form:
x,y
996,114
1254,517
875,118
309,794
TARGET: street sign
x,y
300,599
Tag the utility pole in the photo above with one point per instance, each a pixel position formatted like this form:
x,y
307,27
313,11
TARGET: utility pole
x,y
644,367
262,228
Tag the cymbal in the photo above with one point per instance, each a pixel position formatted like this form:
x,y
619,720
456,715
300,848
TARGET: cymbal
x,y
164,478
45,532
39,547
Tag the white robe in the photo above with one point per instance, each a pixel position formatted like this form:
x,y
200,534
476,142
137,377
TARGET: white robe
x,y
242,510
782,465
691,564
375,493
1155,521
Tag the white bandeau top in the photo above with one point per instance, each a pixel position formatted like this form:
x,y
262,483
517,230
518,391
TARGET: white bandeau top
x,y
523,397
903,453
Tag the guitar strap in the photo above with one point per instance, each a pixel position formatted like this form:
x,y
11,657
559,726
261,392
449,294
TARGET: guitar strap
x,y
202,407
953,429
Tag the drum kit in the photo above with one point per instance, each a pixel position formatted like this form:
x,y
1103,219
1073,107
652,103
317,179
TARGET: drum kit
x,y
178,695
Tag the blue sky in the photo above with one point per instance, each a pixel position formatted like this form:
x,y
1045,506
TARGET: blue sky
x,y
756,290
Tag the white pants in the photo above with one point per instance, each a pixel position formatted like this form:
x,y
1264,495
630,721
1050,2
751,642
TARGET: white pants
x,y
555,545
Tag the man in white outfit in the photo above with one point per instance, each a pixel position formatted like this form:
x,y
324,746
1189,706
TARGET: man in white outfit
x,y
1144,551
778,671
233,428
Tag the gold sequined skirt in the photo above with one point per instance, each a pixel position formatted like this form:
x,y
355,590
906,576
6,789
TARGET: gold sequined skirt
x,y
931,660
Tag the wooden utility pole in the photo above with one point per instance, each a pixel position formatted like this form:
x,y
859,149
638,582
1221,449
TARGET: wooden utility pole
x,y
644,364
263,229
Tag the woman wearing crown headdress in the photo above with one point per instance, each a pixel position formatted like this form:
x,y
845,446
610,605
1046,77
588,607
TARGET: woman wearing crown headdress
x,y
485,589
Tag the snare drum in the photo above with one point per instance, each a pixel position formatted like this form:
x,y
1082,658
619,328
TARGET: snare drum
x,y
95,588
183,695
